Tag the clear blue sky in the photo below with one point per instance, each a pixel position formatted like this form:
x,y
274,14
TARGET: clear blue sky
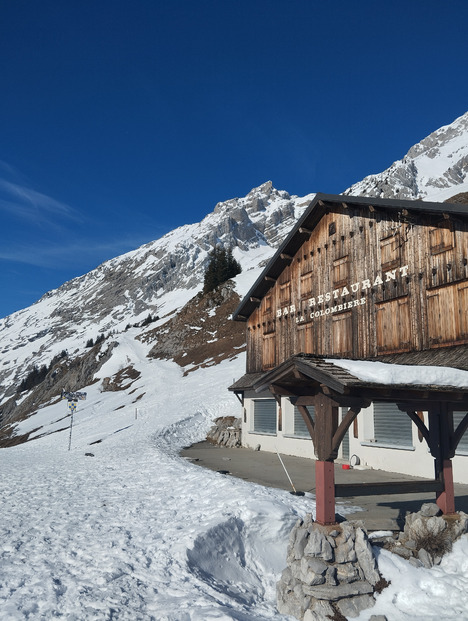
x,y
123,119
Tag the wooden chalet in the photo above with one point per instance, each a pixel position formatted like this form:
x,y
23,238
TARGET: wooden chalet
x,y
362,279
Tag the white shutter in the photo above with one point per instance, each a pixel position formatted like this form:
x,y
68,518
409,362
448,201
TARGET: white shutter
x,y
391,425
463,444
264,416
300,428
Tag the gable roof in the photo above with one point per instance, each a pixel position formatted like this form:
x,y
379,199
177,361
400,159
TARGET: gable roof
x,y
309,220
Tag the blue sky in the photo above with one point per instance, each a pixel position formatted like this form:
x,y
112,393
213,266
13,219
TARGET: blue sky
x,y
124,119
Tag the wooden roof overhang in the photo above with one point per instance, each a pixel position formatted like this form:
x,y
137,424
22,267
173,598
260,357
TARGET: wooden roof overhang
x,y
320,205
313,380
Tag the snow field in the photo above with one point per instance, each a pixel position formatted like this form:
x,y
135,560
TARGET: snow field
x,y
136,533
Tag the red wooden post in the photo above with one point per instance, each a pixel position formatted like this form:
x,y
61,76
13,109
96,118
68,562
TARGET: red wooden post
x,y
446,499
325,492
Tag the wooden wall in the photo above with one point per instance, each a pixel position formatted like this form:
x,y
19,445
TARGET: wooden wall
x,y
366,283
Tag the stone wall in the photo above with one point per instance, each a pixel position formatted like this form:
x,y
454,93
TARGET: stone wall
x,y
331,571
226,431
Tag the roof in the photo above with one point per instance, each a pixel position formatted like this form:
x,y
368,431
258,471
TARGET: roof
x,y
309,220
306,374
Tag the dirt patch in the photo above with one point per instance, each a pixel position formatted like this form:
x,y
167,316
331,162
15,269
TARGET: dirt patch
x,y
202,334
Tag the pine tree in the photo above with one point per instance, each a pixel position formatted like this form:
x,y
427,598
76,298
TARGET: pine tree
x,y
221,267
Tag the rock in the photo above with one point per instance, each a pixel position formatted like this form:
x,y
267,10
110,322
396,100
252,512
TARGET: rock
x,y
334,593
415,562
366,557
430,509
378,618
353,606
425,558
327,568
319,611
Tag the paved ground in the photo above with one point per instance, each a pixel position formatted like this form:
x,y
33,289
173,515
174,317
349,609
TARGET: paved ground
x,y
381,512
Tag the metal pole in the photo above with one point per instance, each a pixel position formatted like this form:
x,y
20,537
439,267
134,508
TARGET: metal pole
x,y
287,474
71,427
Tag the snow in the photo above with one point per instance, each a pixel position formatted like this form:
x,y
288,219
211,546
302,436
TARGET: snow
x,y
423,594
135,532
385,373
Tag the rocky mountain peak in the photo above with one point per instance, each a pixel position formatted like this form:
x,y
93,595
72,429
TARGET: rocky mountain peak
x,y
435,168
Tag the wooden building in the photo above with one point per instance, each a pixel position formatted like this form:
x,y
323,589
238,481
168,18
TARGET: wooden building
x,y
362,279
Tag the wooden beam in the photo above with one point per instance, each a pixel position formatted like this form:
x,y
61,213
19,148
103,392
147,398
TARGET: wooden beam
x,y
255,300
344,490
285,256
277,389
419,424
371,208
309,423
303,229
270,279
342,429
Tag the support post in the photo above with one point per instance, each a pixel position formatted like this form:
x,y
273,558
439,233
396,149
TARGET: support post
x,y
446,498
440,435
325,492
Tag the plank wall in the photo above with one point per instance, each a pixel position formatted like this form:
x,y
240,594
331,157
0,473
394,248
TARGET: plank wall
x,y
366,283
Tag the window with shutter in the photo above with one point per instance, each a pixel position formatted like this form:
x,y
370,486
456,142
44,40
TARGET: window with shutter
x,y
264,416
462,447
300,428
392,426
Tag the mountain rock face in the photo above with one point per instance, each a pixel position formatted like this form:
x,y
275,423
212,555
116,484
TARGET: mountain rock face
x,y
163,276
433,169
157,278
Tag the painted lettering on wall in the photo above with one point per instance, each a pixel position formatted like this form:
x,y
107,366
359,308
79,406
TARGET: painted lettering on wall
x,y
336,300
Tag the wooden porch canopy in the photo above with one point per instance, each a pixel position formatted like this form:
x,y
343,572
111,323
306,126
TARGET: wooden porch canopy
x,y
311,380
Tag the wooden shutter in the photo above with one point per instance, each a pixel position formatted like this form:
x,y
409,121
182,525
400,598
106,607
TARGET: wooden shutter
x,y
393,325
342,337
269,350
441,316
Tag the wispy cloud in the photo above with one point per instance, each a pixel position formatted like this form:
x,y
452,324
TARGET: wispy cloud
x,y
79,253
37,208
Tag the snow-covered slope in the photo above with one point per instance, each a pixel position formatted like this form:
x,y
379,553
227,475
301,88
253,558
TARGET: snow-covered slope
x,y
434,169
121,527
158,278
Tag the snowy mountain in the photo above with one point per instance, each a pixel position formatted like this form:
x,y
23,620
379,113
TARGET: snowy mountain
x,y
157,278
120,526
161,277
434,169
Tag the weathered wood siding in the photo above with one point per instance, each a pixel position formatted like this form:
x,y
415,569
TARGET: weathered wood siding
x,y
365,284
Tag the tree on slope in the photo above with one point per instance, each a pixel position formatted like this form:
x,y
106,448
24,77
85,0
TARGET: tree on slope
x,y
221,267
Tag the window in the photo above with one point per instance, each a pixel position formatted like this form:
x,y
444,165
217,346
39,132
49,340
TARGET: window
x,y
264,416
463,444
300,428
392,426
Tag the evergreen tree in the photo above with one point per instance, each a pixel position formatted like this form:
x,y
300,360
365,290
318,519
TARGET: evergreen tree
x,y
221,267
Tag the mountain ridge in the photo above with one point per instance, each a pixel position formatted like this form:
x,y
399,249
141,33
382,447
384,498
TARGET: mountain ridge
x,y
163,276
